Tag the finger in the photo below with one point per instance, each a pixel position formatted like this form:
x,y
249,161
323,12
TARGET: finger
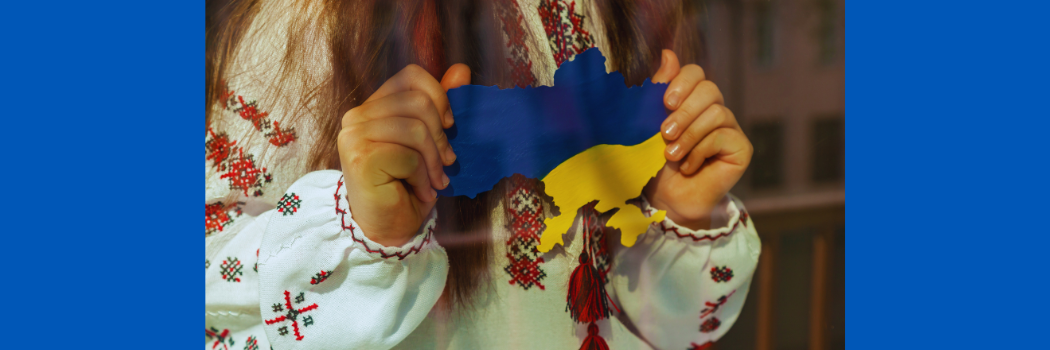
x,y
409,104
702,96
415,78
683,85
396,162
716,116
726,144
456,76
669,67
410,133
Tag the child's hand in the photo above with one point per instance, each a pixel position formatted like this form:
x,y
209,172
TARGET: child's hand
x,y
393,144
707,151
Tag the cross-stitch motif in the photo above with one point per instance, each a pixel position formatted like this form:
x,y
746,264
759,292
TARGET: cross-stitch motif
x,y
280,137
222,338
217,148
710,325
250,111
712,307
289,204
320,277
564,27
244,175
291,314
521,66
216,217
231,268
721,274
524,213
252,343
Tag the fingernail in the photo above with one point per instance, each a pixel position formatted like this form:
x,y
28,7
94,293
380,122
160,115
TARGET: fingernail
x,y
450,155
448,117
671,129
433,193
674,149
444,178
672,99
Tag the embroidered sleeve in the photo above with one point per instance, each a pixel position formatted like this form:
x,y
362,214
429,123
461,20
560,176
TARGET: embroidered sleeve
x,y
323,284
684,288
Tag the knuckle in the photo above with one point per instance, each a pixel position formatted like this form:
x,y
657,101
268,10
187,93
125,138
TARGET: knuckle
x,y
694,69
351,115
417,129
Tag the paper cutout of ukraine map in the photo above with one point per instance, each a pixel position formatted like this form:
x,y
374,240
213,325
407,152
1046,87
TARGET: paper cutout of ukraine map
x,y
589,137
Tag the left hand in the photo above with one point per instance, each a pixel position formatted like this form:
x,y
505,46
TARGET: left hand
x,y
707,151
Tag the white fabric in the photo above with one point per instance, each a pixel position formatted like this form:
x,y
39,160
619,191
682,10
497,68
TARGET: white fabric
x,y
372,302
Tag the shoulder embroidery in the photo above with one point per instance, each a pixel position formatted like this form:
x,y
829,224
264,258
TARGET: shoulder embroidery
x,y
222,338
217,217
289,204
721,274
244,175
524,214
292,314
564,27
231,268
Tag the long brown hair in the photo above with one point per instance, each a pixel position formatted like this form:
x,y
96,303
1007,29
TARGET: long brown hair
x,y
369,41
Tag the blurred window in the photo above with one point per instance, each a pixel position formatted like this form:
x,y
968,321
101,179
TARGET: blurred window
x,y
826,31
764,27
767,164
829,154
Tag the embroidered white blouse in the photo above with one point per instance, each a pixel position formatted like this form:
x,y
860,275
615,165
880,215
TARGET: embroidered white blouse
x,y
287,267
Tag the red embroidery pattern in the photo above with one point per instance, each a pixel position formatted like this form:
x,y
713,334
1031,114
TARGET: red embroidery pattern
x,y
712,307
521,66
292,314
382,253
743,217
231,268
252,343
706,345
220,338
564,29
524,215
250,111
218,148
280,138
289,204
244,175
321,277
710,325
216,217
721,274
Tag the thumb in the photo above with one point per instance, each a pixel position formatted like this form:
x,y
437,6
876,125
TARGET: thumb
x,y
669,67
456,76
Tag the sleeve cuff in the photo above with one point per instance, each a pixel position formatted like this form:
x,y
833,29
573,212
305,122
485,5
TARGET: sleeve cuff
x,y
725,219
424,238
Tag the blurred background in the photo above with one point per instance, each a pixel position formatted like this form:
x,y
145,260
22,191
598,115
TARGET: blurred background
x,y
781,66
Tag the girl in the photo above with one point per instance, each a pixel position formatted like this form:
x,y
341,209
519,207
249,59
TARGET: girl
x,y
331,110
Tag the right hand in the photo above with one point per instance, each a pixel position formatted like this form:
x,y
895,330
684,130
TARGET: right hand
x,y
392,149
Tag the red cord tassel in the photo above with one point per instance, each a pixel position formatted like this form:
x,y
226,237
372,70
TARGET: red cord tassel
x,y
593,341
587,301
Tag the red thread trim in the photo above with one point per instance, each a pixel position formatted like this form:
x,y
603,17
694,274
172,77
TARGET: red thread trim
x,y
400,256
695,238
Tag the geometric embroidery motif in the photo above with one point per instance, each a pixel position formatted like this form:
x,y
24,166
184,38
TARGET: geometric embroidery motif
x,y
243,175
291,314
231,268
520,66
218,148
220,338
564,29
320,277
215,218
280,137
710,325
252,343
289,204
525,222
721,274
